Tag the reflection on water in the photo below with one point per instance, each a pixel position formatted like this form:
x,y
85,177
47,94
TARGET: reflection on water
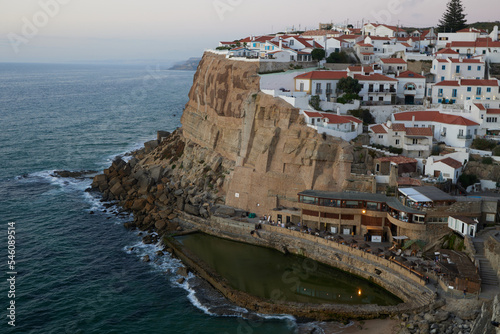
x,y
269,274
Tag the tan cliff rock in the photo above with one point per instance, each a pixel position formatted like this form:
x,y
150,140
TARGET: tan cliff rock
x,y
275,154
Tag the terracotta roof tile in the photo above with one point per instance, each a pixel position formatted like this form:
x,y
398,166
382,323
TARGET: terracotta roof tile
x,y
448,83
373,77
493,111
410,74
425,132
451,162
433,116
398,127
323,75
378,129
476,82
393,61
447,51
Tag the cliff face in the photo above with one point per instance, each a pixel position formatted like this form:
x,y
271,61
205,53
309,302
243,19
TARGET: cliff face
x,y
274,154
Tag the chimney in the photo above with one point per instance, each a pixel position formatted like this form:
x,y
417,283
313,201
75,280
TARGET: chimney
x,y
494,34
397,73
281,43
413,121
422,72
338,111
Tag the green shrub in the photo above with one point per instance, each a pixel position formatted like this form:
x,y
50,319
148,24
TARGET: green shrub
x,y
487,160
314,102
496,151
483,144
468,179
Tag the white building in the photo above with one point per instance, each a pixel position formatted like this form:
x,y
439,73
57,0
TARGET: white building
x,y
377,88
447,53
383,30
393,65
453,130
322,83
416,142
463,225
459,91
449,168
364,52
411,88
457,68
342,126
486,113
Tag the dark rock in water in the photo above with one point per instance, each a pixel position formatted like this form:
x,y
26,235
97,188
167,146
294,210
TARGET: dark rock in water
x,y
77,174
91,212
146,258
159,253
181,280
129,225
182,271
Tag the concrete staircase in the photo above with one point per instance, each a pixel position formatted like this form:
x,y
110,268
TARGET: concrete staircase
x,y
486,272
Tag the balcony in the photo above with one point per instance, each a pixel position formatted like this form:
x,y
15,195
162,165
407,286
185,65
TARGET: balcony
x,y
319,91
415,147
329,91
410,92
464,136
382,91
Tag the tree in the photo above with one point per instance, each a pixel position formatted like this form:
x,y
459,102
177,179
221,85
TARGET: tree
x,y
349,85
453,18
318,54
338,57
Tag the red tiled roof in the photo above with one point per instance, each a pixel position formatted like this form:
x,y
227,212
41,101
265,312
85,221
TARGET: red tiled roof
x,y
313,114
493,111
379,38
398,160
471,29
365,44
393,61
364,69
398,127
425,132
410,74
480,106
378,129
340,119
406,44
323,75
453,83
447,51
476,82
373,77
451,162
483,43
408,181
466,60
433,116
367,53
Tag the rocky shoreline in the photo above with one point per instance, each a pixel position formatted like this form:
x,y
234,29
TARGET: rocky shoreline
x,y
154,189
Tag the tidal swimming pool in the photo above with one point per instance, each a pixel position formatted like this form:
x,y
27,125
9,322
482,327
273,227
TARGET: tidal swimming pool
x,y
271,275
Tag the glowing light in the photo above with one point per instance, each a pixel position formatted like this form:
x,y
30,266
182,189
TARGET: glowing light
x,y
359,292
364,211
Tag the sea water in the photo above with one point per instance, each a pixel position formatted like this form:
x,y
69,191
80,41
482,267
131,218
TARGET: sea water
x,y
77,269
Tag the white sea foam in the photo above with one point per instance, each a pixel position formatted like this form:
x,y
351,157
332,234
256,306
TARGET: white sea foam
x,y
192,296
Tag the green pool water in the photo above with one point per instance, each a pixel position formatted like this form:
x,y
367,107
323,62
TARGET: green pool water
x,y
269,274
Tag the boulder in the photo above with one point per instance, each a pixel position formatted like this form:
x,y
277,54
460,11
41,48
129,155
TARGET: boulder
x,y
181,280
117,189
139,204
156,172
191,209
146,258
178,192
160,224
182,271
225,211
150,145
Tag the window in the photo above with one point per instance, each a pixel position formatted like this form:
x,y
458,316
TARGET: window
x,y
457,69
461,132
442,78
478,91
318,88
291,42
440,92
381,98
469,89
443,67
377,167
380,136
491,119
454,93
415,141
479,68
469,68
488,90
397,141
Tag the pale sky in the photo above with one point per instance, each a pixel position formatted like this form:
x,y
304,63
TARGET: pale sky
x,y
95,30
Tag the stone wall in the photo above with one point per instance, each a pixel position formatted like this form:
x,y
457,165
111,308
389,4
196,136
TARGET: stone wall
x,y
385,273
492,251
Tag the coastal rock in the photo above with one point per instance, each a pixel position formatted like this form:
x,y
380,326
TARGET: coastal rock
x,y
73,174
146,258
191,209
160,224
182,271
139,204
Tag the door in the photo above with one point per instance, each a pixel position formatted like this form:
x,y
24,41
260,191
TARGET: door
x,y
436,173
409,99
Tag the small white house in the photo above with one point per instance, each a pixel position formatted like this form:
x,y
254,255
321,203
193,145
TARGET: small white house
x,y
321,83
411,88
342,126
461,90
457,68
463,225
453,130
449,168
393,65
377,89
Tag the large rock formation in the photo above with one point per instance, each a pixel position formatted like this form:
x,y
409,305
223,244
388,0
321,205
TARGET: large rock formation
x,y
275,154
